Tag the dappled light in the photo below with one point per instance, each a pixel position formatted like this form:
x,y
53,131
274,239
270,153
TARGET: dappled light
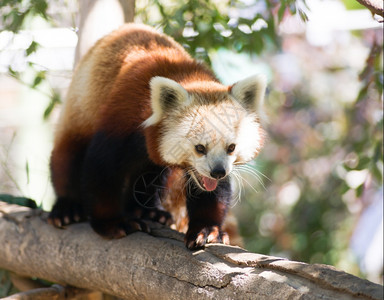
x,y
314,193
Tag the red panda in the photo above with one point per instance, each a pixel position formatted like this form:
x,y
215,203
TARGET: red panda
x,y
138,112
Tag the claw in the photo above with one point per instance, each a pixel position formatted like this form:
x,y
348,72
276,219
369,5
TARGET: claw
x,y
214,235
156,215
57,223
162,220
225,238
66,220
196,239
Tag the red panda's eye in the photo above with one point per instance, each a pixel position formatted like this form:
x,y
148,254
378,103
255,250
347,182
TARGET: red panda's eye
x,y
231,148
200,149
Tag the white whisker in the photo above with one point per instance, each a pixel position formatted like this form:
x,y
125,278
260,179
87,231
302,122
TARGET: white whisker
x,y
250,185
253,173
239,186
255,170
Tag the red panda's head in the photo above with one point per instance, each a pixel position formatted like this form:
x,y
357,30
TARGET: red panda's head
x,y
208,130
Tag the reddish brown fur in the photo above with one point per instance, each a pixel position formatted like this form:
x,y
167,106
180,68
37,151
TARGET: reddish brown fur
x,y
110,92
117,71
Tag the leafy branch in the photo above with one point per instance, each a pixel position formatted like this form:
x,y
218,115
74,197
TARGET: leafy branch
x,y
14,16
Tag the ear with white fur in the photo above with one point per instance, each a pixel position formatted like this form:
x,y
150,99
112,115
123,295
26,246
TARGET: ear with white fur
x,y
250,92
166,95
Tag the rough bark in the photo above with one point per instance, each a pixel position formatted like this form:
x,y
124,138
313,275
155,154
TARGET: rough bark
x,y
158,266
56,292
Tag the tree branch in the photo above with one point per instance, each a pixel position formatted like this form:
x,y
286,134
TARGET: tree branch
x,y
375,6
54,292
158,266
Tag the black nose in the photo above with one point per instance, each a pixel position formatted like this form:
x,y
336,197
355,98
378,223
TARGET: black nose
x,y
218,172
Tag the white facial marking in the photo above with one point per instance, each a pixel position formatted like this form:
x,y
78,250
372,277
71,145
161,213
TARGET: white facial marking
x,y
215,127
189,120
248,140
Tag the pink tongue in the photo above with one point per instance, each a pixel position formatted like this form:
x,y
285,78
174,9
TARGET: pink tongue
x,y
209,184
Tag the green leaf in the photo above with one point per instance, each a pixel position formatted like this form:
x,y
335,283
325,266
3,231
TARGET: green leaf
x,y
23,201
303,15
13,73
378,153
32,48
55,99
363,93
16,20
281,11
40,76
344,188
41,7
376,172
363,163
27,171
360,190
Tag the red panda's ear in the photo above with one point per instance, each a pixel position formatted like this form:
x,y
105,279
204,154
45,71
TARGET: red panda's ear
x,y
166,95
250,92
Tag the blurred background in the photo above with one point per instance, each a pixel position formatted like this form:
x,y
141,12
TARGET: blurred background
x,y
315,194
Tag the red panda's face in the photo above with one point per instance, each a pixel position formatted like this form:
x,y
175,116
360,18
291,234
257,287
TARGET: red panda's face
x,y
210,137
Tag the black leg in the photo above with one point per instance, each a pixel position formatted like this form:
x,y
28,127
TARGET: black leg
x,y
145,193
121,186
66,164
207,211
108,162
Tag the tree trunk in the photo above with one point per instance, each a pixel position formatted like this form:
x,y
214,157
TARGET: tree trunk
x,y
158,266
98,18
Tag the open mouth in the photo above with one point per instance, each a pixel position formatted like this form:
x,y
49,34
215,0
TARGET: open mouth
x,y
203,182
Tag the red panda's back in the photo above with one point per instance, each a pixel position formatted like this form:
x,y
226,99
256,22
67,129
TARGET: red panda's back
x,y
96,74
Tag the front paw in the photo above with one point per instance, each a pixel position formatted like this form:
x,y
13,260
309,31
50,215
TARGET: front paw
x,y
66,212
197,238
155,214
